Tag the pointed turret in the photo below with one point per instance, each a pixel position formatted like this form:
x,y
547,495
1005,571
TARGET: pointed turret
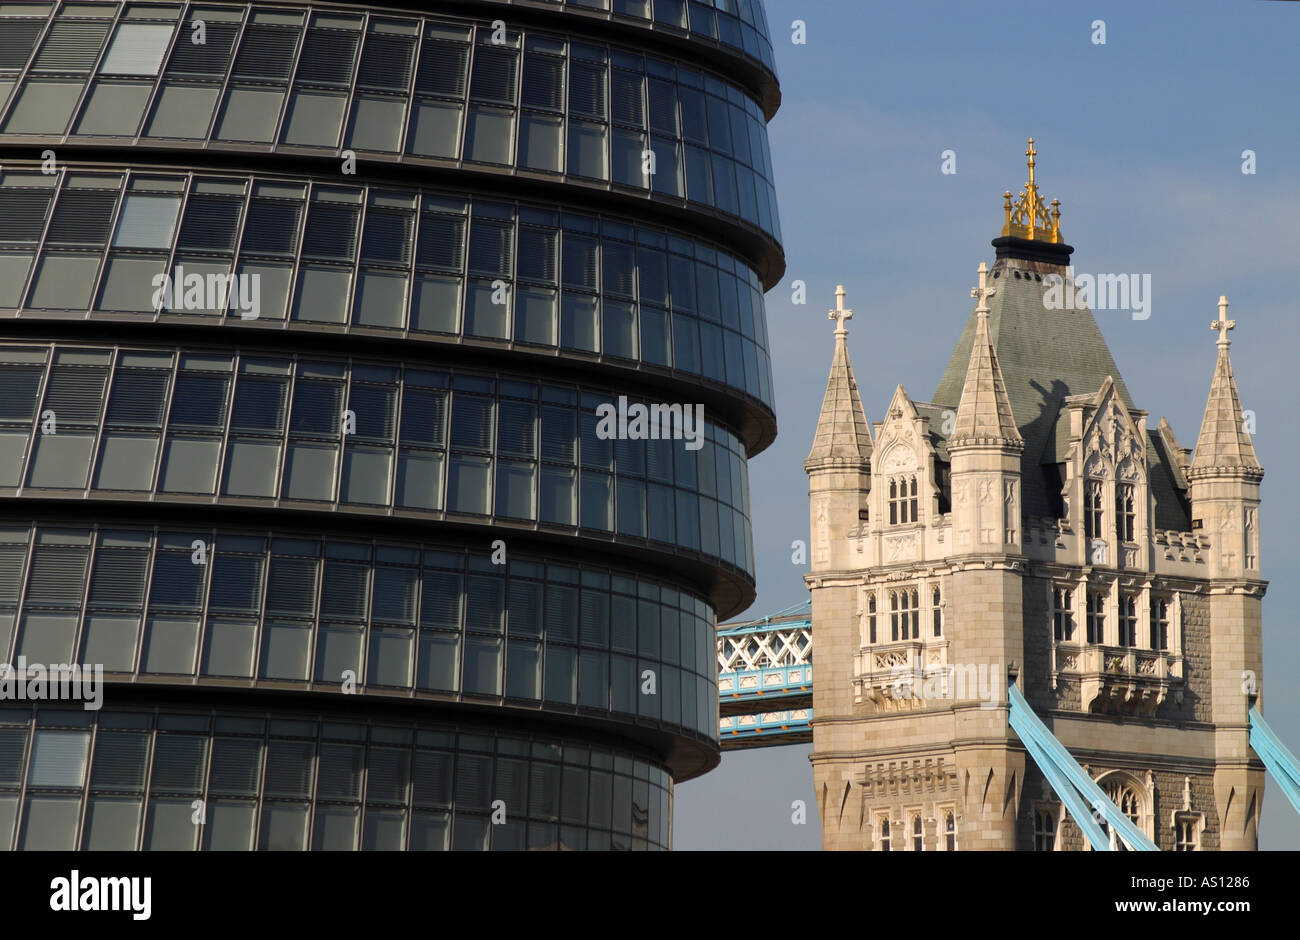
x,y
839,466
984,414
842,436
985,446
1225,480
1223,444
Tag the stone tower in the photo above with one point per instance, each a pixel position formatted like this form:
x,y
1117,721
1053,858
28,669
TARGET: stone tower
x,y
1027,522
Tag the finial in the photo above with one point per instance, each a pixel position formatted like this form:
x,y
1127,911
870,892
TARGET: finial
x,y
1223,324
840,313
1029,217
983,292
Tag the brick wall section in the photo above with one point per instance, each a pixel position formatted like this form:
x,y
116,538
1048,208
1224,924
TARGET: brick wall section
x,y
1196,663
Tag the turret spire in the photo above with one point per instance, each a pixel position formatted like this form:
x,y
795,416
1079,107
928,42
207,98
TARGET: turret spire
x,y
984,414
842,434
1223,443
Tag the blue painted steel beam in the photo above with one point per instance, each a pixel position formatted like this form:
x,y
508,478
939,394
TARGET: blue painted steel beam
x,y
1075,788
1281,763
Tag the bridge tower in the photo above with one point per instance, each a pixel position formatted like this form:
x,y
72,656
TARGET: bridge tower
x,y
1028,522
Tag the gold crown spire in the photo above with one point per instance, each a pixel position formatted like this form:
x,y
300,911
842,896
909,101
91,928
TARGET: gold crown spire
x,y
1029,217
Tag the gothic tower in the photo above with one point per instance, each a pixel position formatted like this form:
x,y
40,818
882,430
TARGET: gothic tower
x,y
1026,523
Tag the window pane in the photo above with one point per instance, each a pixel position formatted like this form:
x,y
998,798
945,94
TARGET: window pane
x,y
48,638
336,828
170,645
170,826
489,135
435,129
111,823
137,49
285,650
114,108
541,142
110,642
439,661
381,300
366,474
435,306
377,123
483,665
314,119
419,480
587,150
230,825
183,111
59,759
251,468
190,465
469,485
250,114
126,462
284,827
229,648
390,657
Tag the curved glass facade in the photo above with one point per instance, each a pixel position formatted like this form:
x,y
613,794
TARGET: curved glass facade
x,y
402,263
429,622
434,90
357,437
376,396
240,780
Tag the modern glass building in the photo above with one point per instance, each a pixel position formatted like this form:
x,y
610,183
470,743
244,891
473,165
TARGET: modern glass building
x,y
310,316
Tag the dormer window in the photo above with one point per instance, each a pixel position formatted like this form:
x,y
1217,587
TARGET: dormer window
x,y
902,500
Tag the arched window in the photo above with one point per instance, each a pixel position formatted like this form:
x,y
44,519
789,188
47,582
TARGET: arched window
x,y
1124,796
936,611
1092,509
884,835
1063,614
1096,617
1128,619
1044,831
950,832
1159,623
1125,511
871,618
918,839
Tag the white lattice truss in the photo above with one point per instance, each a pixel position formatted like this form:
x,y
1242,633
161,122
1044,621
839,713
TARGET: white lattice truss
x,y
766,650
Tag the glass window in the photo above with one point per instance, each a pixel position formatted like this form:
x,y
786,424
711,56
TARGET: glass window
x,y
285,650
59,759
114,108
183,111
137,49
489,135
250,114
315,119
588,149
170,645
229,648
43,108
435,129
541,142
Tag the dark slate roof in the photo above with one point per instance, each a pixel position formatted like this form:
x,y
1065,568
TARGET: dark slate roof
x,y
1045,356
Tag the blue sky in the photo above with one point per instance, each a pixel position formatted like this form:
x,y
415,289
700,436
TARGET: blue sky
x,y
1141,140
